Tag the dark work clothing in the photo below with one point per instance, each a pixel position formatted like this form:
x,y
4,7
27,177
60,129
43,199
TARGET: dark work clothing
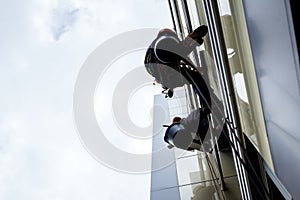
x,y
163,57
165,52
162,62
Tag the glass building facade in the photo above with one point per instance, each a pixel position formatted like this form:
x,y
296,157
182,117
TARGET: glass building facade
x,y
251,58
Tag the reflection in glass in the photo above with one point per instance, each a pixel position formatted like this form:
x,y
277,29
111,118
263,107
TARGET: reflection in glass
x,y
243,75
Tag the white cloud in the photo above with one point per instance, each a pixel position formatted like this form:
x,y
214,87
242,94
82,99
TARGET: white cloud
x,y
62,20
54,18
51,163
94,20
41,156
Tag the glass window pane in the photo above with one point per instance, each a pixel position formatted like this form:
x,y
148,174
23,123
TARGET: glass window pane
x,y
243,75
206,190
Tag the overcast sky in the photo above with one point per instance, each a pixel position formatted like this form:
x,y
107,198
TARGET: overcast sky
x,y
43,45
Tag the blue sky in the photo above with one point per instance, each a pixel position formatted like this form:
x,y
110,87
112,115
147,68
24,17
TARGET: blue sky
x,y
43,45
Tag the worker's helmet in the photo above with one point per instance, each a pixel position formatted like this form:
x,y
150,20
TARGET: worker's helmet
x,y
176,135
166,31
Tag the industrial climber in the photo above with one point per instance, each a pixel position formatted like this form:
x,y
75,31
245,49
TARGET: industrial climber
x,y
165,52
162,61
188,133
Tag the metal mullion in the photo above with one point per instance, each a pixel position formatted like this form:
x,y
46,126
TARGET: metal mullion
x,y
172,14
216,57
179,19
190,29
219,59
213,48
187,15
225,66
